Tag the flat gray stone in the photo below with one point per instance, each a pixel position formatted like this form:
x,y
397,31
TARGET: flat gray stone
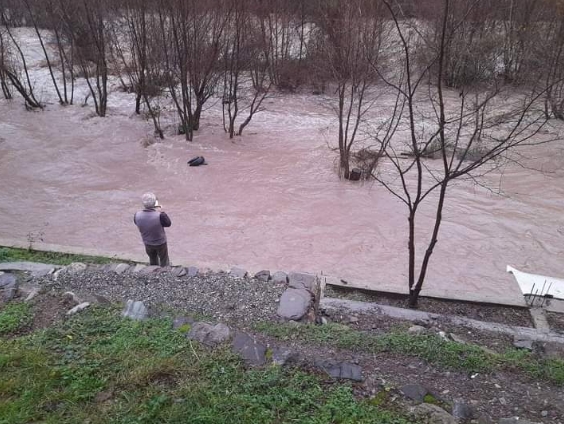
x,y
340,370
414,392
294,304
192,271
181,321
138,268
282,356
301,280
417,329
237,272
432,414
8,287
36,269
121,268
178,271
135,310
263,275
210,335
78,308
280,277
462,410
75,268
150,269
523,343
28,291
7,280
253,352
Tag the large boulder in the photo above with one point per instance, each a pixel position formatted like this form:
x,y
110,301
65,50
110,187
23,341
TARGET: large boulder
x,y
301,280
294,304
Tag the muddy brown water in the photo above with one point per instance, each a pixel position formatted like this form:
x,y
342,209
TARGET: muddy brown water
x,y
271,199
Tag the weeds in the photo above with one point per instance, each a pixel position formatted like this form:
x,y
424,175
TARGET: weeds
x,y
432,348
10,254
100,368
14,317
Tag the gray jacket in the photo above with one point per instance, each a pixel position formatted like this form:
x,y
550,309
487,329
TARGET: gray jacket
x,y
151,224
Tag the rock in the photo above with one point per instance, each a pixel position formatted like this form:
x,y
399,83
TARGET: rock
x,y
294,304
462,411
340,370
138,268
121,268
78,308
8,287
523,343
253,352
74,268
282,356
28,292
301,280
551,350
352,319
72,297
237,272
192,271
544,413
514,420
414,392
210,335
178,271
279,277
150,270
36,269
427,413
135,310
182,321
457,339
417,330
263,275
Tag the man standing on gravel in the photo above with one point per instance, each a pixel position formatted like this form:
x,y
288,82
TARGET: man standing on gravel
x,y
151,222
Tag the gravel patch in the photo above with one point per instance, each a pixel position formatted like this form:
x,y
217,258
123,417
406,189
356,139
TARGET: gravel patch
x,y
214,296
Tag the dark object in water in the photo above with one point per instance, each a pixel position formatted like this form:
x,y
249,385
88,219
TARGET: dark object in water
x,y
355,174
197,161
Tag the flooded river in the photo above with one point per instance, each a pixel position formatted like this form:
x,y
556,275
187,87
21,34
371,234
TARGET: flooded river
x,y
269,200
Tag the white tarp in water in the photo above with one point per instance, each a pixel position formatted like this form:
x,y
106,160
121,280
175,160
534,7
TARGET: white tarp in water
x,y
538,284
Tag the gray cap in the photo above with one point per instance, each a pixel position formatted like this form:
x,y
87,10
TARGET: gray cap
x,y
149,200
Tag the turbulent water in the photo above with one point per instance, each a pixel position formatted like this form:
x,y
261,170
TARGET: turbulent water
x,y
271,199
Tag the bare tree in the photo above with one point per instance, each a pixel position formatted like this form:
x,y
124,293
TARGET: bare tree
x,y
351,40
9,67
246,81
469,134
86,24
32,12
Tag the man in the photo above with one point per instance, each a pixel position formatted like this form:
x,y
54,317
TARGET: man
x,y
151,222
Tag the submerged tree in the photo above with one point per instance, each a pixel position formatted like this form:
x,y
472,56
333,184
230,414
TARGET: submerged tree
x,y
448,137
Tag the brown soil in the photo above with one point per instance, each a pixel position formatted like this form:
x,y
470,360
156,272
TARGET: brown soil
x,y
49,307
379,324
493,313
492,396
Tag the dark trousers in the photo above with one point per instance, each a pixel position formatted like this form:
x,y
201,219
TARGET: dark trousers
x,y
158,255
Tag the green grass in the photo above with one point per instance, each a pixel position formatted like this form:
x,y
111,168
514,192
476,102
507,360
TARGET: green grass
x,y
99,368
15,316
430,347
10,254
